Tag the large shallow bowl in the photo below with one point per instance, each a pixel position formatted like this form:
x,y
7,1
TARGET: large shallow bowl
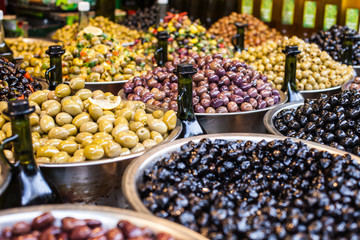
x,y
114,87
95,182
134,172
107,215
250,121
270,116
312,94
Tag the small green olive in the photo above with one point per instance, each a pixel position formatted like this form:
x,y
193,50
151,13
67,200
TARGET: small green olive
x,y
34,119
143,134
149,143
156,136
60,157
93,152
38,97
81,119
77,83
103,135
112,149
53,142
58,133
105,126
71,107
53,109
63,118
46,151
95,111
138,148
82,136
68,146
127,139
47,123
90,127
62,90
84,94
71,129
157,125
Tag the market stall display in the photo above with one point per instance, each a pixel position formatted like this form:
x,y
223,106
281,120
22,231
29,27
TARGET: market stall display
x,y
87,222
257,32
248,185
113,30
316,70
15,82
331,41
327,120
94,56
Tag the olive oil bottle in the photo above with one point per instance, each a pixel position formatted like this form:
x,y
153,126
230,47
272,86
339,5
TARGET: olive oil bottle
x,y
84,8
5,50
161,54
190,125
290,74
239,39
27,185
348,44
53,74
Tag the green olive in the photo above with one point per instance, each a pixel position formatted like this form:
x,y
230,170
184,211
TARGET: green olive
x,y
103,135
105,126
170,119
158,114
158,126
126,113
46,151
78,100
2,121
34,119
53,142
93,152
77,83
84,94
125,151
134,126
77,159
98,94
119,128
127,139
37,108
112,149
2,135
107,117
143,134
95,111
38,97
53,109
140,116
62,90
71,107
82,136
58,133
37,129
60,157
52,96
90,127
43,160
156,136
46,104
138,148
71,129
149,143
79,152
100,142
81,119
86,142
68,146
63,118
120,120
47,123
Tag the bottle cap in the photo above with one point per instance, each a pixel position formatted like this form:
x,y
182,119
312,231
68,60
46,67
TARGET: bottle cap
x,y
163,1
1,15
185,68
19,107
163,35
292,49
55,50
241,25
84,6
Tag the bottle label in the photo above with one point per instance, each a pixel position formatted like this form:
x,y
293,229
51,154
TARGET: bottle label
x,y
247,6
287,17
330,15
352,18
266,10
309,14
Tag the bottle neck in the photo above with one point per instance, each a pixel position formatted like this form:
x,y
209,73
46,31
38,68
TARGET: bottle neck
x,y
2,34
23,149
162,52
240,39
290,73
185,98
83,20
56,75
161,13
348,52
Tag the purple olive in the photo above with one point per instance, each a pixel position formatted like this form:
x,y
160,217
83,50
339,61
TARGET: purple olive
x,y
246,86
174,87
204,83
130,96
253,102
152,82
201,62
260,85
276,99
196,100
159,95
162,76
224,98
205,102
128,87
198,77
237,81
220,72
217,102
239,92
226,93
176,61
136,98
165,105
275,92
264,78
224,88
173,77
221,109
147,96
200,90
199,109
167,99
194,93
138,83
237,99
156,70
226,66
246,97
173,106
232,107
269,101
214,65
213,93
209,72
166,82
258,97
252,92
225,81
261,104
205,95
210,110
208,59
158,86
232,87
213,78
218,56
143,92
245,106
265,93
149,75
174,97
213,86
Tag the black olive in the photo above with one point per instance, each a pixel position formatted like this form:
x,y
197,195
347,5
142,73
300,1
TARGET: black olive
x,y
330,127
328,137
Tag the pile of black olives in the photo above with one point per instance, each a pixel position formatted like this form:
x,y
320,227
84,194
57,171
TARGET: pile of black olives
x,y
331,42
144,18
266,190
221,85
15,82
333,121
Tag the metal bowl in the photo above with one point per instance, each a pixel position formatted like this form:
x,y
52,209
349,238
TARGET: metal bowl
x,y
357,70
270,116
250,121
107,215
312,94
114,87
95,182
134,172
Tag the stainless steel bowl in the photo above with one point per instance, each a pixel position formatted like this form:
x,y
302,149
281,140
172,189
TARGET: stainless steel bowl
x,y
107,215
134,172
312,94
357,70
114,87
250,121
95,182
270,116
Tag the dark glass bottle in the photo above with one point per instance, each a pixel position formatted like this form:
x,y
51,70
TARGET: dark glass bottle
x,y
239,39
162,9
161,54
105,8
191,127
53,74
290,74
347,45
5,50
27,185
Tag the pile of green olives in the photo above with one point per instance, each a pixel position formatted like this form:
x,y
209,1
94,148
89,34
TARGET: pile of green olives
x,y
73,124
28,47
315,68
